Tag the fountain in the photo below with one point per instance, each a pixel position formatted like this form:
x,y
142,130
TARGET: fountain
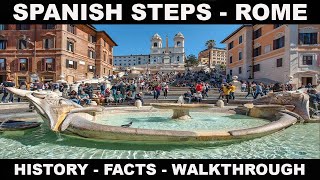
x,y
69,118
181,111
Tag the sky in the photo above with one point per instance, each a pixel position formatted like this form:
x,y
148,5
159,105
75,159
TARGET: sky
x,y
135,39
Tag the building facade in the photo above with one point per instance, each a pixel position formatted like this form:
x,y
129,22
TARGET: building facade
x,y
218,56
159,54
279,52
49,52
131,60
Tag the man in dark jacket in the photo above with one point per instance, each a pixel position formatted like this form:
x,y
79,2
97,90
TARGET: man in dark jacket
x,y
8,83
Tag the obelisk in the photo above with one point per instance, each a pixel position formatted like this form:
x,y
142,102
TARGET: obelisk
x,y
166,58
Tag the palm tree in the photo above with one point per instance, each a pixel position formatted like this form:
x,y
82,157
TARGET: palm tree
x,y
210,44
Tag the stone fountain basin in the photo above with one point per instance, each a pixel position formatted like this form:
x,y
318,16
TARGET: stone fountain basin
x,y
87,129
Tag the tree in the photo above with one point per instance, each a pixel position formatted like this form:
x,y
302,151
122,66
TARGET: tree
x,y
191,61
210,44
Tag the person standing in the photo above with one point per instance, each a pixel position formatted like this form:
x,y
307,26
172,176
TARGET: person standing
x,y
250,90
165,91
258,91
8,83
226,91
232,91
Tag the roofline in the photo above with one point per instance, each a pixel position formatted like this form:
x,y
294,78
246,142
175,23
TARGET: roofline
x,y
133,55
234,32
217,48
105,33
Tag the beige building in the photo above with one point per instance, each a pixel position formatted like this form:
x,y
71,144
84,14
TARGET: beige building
x,y
279,52
50,51
218,56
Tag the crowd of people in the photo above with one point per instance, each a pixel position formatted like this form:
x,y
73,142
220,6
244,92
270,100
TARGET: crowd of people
x,y
129,89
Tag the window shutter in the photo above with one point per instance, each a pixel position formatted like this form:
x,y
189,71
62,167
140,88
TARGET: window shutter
x,y
53,64
43,64
274,44
29,64
68,45
94,39
94,55
75,64
89,53
50,43
67,63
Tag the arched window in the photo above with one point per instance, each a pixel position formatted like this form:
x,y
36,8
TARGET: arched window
x,y
178,58
155,44
179,44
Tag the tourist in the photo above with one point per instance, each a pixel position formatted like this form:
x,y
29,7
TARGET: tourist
x,y
23,86
243,87
188,96
259,91
198,96
226,91
139,96
84,98
73,96
232,91
157,91
103,88
221,93
165,90
276,88
8,83
118,97
314,100
250,91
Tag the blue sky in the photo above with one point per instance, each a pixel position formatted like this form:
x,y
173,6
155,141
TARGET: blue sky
x,y
135,39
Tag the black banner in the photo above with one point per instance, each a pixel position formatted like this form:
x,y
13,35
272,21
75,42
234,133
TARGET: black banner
x,y
160,11
208,168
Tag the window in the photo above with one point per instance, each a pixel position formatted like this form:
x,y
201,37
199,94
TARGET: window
x,y
230,60
3,27
230,72
105,58
230,45
240,56
71,28
275,26
49,64
70,46
48,26
178,58
48,43
139,62
279,62
278,43
257,33
256,68
71,64
307,60
120,64
91,68
23,27
22,44
155,44
23,64
91,54
92,39
178,44
240,39
104,43
308,38
3,44
240,70
104,70
257,51
2,64
110,61
267,48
